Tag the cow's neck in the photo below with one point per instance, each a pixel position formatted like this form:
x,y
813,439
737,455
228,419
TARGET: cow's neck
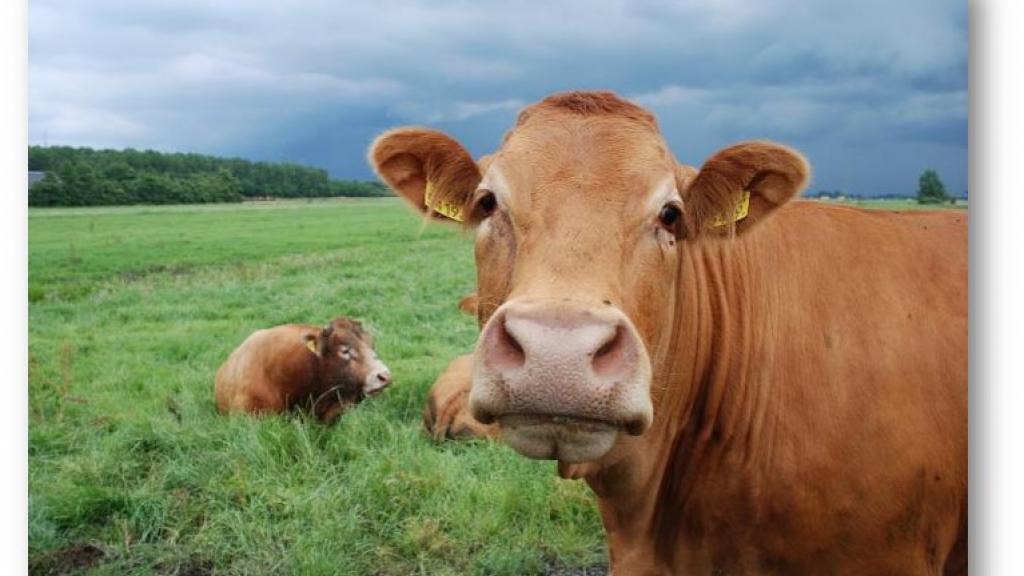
x,y
713,410
714,404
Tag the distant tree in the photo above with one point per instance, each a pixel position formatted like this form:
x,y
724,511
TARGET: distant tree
x,y
119,170
359,189
930,189
81,184
47,192
153,188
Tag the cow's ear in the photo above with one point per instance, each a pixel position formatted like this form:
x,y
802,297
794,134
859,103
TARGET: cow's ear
x,y
430,170
468,304
312,342
740,185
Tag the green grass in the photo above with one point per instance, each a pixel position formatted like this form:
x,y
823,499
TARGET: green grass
x,y
131,312
899,204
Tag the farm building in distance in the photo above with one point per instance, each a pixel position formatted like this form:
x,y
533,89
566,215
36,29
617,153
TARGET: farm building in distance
x,y
35,176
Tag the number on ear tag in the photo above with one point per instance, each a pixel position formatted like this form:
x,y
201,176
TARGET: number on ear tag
x,y
739,212
442,207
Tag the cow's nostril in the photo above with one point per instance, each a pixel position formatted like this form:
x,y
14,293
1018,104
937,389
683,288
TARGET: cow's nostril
x,y
506,353
636,427
609,357
384,377
511,341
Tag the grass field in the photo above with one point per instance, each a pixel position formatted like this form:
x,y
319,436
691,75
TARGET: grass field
x,y
131,470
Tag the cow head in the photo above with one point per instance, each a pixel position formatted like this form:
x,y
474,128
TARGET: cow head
x,y
579,220
348,361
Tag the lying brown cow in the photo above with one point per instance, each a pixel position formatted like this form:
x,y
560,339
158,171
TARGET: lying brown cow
x,y
752,385
328,369
447,412
468,304
446,415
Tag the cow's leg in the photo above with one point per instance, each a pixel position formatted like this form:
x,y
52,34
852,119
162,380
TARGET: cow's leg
x,y
447,415
258,400
332,411
430,417
632,546
633,553
441,421
956,561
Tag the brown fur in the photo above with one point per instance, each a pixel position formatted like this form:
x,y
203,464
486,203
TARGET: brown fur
x,y
772,173
809,362
589,104
468,304
274,370
447,412
407,158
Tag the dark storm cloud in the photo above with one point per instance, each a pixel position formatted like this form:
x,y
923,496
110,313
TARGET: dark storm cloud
x,y
872,91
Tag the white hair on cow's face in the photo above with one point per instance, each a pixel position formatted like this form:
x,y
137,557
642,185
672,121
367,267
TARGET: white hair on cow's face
x,y
495,182
662,193
377,374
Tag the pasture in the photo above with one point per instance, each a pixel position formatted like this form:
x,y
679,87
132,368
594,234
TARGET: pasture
x,y
131,469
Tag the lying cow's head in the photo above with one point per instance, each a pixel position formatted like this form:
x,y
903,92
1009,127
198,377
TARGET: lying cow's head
x,y
579,218
348,361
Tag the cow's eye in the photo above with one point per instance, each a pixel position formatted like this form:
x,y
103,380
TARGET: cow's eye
x,y
485,205
669,216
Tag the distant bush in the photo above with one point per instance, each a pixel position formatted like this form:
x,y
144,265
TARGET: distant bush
x,y
930,189
359,189
88,177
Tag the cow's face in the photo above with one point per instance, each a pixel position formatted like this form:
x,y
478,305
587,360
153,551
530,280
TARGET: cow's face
x,y
348,360
579,218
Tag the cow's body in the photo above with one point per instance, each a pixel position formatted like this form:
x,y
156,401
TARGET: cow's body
x,y
817,427
446,414
284,367
749,386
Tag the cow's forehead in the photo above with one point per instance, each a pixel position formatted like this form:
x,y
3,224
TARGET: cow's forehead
x,y
607,160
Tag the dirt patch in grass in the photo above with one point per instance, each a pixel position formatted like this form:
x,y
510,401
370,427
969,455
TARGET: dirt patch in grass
x,y
129,276
68,560
556,569
189,567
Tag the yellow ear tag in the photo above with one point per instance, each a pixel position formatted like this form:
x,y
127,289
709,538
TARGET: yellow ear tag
x,y
311,344
442,207
739,212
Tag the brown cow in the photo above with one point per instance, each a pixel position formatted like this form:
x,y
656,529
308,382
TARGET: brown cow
x,y
447,412
446,415
328,369
468,304
752,385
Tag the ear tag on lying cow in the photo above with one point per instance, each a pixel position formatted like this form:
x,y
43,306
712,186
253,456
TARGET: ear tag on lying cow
x,y
739,212
443,207
311,344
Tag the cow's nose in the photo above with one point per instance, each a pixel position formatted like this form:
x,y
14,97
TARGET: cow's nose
x,y
384,377
562,361
609,339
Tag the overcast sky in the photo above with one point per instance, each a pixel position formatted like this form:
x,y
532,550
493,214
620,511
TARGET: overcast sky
x,y
872,91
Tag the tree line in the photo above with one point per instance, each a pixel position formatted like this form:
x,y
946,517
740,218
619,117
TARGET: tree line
x,y
930,190
88,177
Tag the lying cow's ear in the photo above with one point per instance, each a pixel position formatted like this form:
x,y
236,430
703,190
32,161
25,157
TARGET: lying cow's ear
x,y
430,170
468,304
740,185
313,343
